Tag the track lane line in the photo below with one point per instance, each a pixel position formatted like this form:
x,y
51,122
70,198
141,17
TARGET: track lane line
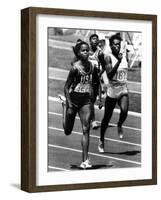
x,y
56,99
58,168
64,79
111,124
64,72
67,71
94,154
53,45
94,136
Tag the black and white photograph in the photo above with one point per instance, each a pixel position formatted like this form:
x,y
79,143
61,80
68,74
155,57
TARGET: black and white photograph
x,y
94,99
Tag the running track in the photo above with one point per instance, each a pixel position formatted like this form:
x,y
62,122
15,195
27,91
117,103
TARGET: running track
x,y
64,152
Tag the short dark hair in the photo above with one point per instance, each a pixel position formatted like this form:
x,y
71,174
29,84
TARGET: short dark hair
x,y
77,47
93,35
115,36
79,40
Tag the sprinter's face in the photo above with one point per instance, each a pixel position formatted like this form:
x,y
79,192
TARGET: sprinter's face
x,y
115,47
84,52
94,41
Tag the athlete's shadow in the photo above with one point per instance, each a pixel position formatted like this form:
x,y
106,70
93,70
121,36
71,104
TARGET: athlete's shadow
x,y
93,167
128,153
99,126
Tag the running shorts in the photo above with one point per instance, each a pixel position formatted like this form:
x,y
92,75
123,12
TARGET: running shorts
x,y
117,91
80,99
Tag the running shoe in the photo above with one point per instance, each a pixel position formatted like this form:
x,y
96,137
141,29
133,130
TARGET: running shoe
x,y
120,132
101,147
94,125
86,164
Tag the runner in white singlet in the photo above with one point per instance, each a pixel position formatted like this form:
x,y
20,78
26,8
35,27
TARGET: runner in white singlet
x,y
117,91
118,84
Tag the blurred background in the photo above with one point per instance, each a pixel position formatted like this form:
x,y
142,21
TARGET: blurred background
x,y
60,55
132,40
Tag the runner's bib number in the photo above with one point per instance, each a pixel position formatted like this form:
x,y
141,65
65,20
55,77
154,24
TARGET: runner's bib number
x,y
82,88
85,84
121,75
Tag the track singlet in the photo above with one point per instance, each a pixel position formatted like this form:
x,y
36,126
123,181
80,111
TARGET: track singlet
x,y
117,86
121,74
83,81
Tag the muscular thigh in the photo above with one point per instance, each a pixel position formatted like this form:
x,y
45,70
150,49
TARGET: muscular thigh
x,y
70,116
123,103
110,104
86,113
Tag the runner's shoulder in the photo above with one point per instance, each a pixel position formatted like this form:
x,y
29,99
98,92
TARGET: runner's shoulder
x,y
76,66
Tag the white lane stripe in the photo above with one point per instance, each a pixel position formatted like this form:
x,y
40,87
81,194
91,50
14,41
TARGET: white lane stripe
x,y
133,91
57,78
127,127
58,70
58,47
56,99
61,42
94,154
94,136
63,79
58,168
69,48
54,69
134,82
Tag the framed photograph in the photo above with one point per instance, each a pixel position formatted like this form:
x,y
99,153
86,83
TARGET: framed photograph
x,y
88,99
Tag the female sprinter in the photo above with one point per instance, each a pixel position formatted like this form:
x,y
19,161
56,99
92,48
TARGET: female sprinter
x,y
117,92
81,89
